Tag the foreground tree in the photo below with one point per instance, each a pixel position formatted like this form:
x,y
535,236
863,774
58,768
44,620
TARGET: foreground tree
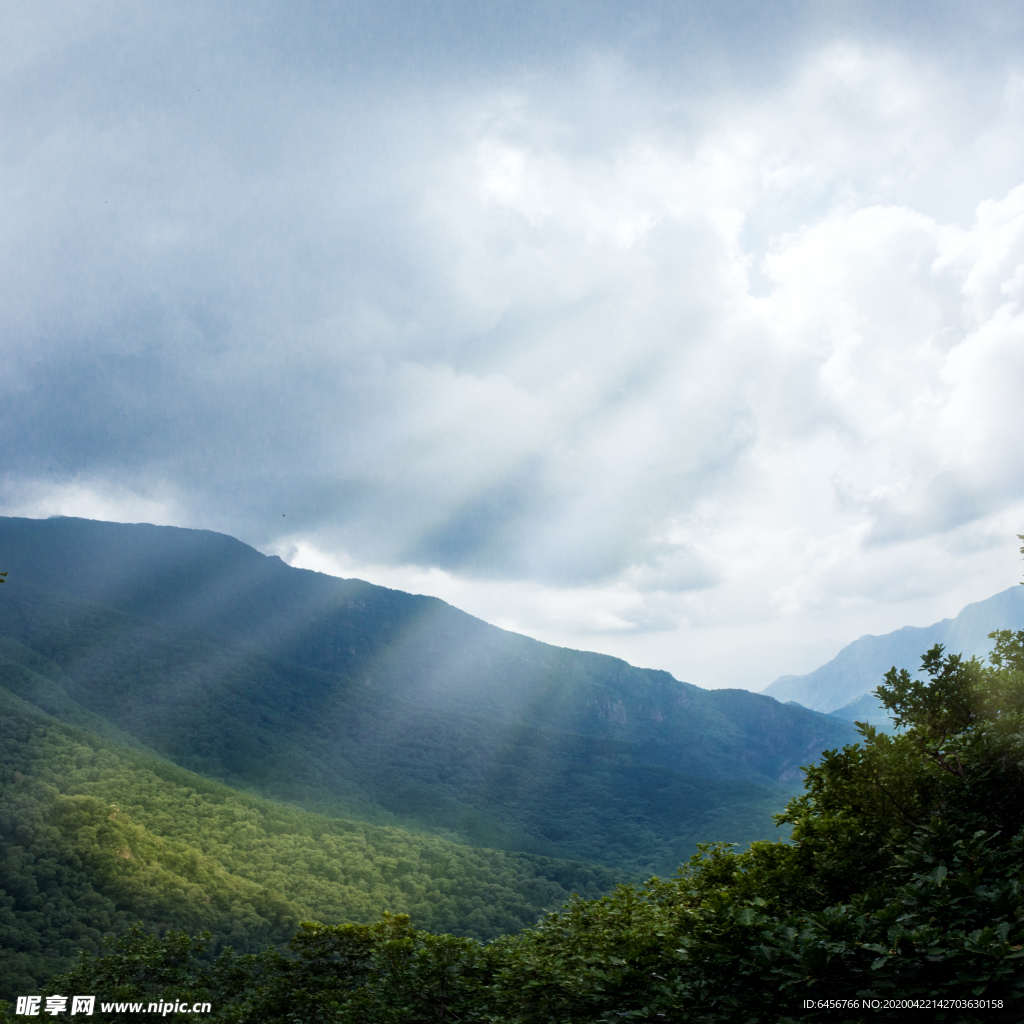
x,y
902,880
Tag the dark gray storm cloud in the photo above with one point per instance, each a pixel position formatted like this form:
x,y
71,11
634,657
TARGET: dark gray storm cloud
x,y
578,295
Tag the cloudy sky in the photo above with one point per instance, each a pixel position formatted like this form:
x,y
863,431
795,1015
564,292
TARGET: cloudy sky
x,y
689,332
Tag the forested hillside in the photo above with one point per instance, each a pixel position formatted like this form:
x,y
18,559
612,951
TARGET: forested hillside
x,y
355,700
95,836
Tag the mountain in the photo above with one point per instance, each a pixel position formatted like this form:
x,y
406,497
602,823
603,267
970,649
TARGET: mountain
x,y
840,685
202,737
866,708
355,700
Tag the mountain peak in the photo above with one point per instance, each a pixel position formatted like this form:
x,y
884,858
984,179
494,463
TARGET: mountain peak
x,y
860,666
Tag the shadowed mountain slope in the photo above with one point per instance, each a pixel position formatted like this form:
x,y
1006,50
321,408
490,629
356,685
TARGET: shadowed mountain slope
x,y
867,708
353,699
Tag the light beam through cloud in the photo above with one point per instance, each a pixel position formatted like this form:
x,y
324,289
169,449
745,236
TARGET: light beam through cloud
x,y
624,356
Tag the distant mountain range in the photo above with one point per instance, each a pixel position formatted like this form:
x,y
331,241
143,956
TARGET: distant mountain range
x,y
844,686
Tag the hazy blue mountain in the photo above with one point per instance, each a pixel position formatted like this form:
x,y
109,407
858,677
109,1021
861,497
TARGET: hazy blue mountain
x,y
866,708
351,699
839,685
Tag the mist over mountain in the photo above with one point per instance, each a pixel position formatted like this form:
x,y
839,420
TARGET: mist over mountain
x,y
843,686
351,699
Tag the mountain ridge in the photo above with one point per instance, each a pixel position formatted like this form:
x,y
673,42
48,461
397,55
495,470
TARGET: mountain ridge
x,y
350,698
839,686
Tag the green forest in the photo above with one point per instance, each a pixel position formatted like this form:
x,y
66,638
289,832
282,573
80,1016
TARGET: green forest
x,y
901,881
94,836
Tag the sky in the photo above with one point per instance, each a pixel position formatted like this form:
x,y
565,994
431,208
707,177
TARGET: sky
x,y
686,332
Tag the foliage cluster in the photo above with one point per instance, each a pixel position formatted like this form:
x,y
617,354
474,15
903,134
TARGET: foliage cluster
x,y
903,880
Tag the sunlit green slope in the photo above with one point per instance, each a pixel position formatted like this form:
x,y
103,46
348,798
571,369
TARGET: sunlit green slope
x,y
94,835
